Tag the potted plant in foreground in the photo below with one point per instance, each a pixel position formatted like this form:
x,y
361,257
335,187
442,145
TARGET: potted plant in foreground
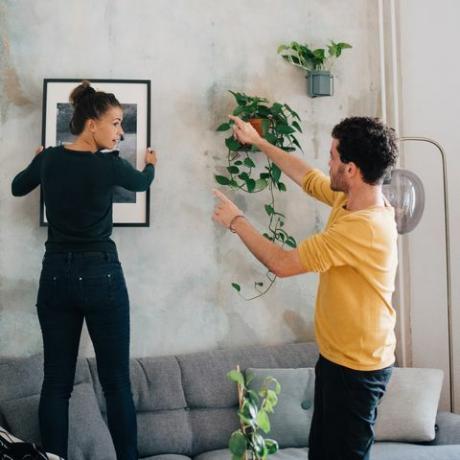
x,y
278,124
316,62
247,443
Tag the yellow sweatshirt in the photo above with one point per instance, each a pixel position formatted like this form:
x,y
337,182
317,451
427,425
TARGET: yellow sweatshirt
x,y
356,256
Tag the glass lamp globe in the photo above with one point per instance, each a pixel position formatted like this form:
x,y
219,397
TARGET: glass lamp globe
x,y
404,190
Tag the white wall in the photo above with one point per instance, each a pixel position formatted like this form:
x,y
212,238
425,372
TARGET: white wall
x,y
430,106
179,270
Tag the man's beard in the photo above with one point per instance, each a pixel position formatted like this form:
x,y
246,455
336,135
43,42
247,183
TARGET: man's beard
x,y
338,183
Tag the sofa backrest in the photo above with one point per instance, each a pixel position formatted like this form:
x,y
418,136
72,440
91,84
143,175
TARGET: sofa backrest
x,y
185,404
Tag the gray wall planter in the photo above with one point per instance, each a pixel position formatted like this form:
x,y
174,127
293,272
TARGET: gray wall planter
x,y
320,83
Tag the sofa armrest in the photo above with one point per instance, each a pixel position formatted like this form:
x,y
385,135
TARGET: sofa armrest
x,y
448,428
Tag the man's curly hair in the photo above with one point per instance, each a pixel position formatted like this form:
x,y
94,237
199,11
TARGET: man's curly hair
x,y
369,144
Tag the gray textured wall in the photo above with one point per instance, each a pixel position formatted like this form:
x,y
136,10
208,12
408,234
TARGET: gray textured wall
x,y
179,270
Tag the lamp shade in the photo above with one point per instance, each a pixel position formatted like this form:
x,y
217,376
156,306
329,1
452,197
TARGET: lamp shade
x,y
404,190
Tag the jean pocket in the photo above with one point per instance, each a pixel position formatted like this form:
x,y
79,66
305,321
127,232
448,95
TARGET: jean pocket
x,y
51,289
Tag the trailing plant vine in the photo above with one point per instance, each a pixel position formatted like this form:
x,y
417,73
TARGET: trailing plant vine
x,y
278,124
247,443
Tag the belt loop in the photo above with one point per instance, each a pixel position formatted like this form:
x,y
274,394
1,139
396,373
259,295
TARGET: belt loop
x,y
69,258
107,256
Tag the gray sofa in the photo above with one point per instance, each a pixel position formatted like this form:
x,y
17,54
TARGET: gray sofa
x,y
186,408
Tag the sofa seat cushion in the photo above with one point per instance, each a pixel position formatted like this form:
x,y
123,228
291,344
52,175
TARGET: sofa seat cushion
x,y
166,457
282,454
405,451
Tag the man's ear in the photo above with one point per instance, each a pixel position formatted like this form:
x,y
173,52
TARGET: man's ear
x,y
352,169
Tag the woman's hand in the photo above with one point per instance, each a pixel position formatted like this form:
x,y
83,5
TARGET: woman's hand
x,y
39,150
150,156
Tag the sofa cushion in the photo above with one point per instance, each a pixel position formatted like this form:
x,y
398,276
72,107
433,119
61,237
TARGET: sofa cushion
x,y
21,377
405,451
212,428
204,374
89,436
290,422
282,454
408,409
164,432
155,382
166,457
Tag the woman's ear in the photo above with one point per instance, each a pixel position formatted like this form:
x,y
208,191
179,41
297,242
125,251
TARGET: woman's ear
x,y
90,124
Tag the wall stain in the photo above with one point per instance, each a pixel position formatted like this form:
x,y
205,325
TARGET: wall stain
x,y
297,325
10,86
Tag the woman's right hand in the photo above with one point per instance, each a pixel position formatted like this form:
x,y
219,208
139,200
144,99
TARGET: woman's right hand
x,y
150,156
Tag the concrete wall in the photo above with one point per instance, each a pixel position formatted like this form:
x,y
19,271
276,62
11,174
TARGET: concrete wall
x,y
430,104
179,270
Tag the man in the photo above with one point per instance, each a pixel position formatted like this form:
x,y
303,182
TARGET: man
x,y
356,256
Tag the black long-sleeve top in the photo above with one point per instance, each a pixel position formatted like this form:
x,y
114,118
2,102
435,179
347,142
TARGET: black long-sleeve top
x,y
78,193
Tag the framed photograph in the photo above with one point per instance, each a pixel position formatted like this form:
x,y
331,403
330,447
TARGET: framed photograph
x,y
130,209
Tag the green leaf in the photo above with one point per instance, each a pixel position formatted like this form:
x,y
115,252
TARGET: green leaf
x,y
296,126
223,127
264,175
259,445
238,163
238,443
233,169
282,48
291,242
222,180
252,396
272,446
270,137
263,421
236,376
236,287
249,410
232,144
275,173
276,107
296,142
244,176
261,184
269,209
284,129
281,186
249,163
251,184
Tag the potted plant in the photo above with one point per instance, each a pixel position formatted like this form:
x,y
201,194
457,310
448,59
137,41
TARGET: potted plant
x,y
316,62
247,443
278,124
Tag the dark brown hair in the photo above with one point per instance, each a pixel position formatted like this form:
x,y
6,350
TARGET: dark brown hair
x,y
89,104
369,144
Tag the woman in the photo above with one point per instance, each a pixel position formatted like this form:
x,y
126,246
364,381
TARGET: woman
x,y
81,278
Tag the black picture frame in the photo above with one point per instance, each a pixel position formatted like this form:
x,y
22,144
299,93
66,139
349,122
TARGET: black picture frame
x,y
130,209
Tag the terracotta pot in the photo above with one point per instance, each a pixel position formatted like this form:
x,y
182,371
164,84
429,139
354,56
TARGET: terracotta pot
x,y
256,123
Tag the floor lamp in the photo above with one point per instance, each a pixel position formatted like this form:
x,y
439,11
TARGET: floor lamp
x,y
405,192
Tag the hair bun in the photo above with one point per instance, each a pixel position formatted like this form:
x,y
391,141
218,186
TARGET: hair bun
x,y
84,89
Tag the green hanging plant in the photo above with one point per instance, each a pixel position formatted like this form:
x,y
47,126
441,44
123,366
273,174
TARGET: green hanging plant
x,y
310,59
278,124
247,443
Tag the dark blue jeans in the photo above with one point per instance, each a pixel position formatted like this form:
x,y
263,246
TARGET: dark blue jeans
x,y
86,286
345,411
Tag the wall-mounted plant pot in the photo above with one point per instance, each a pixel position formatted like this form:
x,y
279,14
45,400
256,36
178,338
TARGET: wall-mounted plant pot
x,y
320,83
258,125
